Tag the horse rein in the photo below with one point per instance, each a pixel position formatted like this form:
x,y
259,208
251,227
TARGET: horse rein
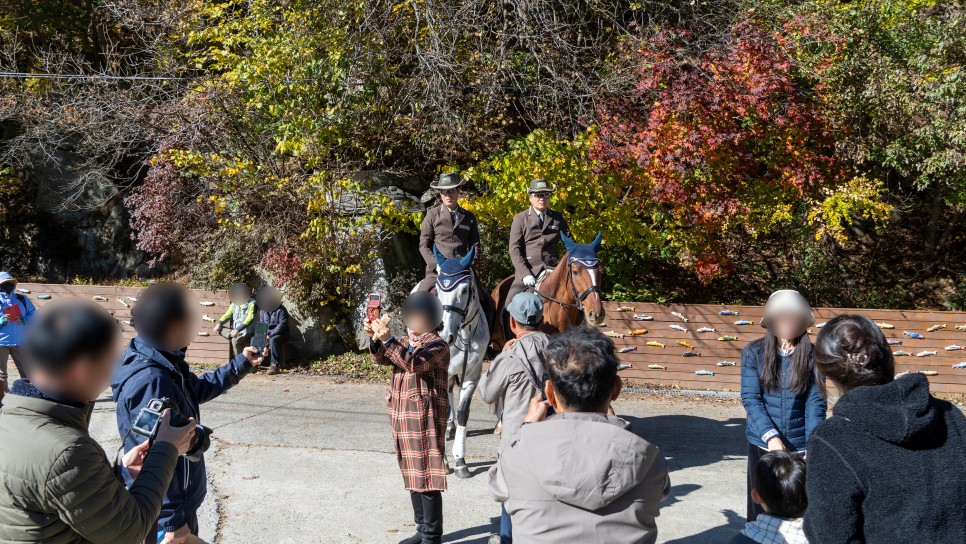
x,y
464,322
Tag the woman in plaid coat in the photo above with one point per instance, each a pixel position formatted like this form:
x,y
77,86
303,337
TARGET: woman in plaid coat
x,y
418,407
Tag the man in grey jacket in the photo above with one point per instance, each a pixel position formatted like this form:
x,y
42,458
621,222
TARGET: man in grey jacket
x,y
580,475
58,487
517,375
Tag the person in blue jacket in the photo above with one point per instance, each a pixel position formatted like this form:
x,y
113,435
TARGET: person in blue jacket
x,y
779,390
15,310
153,366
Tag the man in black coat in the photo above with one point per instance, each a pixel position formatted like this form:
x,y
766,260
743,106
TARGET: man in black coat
x,y
272,312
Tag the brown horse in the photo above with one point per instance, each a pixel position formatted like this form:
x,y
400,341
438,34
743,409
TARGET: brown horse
x,y
570,293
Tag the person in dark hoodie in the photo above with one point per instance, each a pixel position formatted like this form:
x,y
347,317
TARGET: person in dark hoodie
x,y
153,366
889,465
606,483
272,312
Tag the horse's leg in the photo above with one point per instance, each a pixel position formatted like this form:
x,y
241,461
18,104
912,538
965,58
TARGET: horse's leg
x,y
462,418
451,422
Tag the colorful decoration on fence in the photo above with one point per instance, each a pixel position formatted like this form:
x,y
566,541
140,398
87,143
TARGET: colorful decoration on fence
x,y
704,373
685,344
206,303
959,365
727,363
926,354
893,342
743,322
132,299
885,325
680,316
624,367
657,367
954,347
928,372
679,328
915,335
43,297
613,334
901,353
655,344
643,317
208,318
23,291
727,312
203,333
707,329
961,327
691,354
99,298
627,349
636,332
625,308
123,303
820,325
728,338
935,328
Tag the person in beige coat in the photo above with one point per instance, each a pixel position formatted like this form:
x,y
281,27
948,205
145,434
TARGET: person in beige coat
x,y
515,376
535,237
605,483
57,486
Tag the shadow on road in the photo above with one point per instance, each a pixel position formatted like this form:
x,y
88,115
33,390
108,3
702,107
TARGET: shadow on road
x,y
678,491
484,532
691,441
715,535
483,467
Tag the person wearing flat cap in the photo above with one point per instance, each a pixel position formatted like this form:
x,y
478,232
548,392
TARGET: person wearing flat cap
x,y
517,375
534,237
15,310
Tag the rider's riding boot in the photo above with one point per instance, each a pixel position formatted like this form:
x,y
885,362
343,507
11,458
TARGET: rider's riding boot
x,y
507,332
417,500
432,517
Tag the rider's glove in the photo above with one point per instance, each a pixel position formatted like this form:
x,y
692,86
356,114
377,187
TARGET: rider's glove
x,y
437,269
529,281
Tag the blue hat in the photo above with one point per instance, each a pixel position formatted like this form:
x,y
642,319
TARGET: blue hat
x,y
7,276
526,309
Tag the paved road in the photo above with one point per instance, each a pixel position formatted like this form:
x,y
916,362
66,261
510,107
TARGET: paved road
x,y
309,460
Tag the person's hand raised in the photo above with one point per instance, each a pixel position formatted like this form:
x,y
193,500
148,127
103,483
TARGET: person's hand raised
x,y
179,437
254,355
380,330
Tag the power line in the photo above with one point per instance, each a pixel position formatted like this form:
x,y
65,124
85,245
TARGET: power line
x,y
90,77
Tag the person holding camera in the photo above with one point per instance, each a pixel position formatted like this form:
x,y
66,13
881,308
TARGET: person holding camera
x,y
418,406
58,487
154,367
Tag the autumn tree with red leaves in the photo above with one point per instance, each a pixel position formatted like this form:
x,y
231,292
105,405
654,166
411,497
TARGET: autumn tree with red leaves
x,y
728,141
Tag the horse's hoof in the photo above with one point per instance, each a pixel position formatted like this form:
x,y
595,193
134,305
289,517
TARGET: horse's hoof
x,y
462,471
450,431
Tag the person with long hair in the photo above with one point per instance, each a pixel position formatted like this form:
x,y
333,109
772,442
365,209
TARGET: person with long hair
x,y
779,390
889,465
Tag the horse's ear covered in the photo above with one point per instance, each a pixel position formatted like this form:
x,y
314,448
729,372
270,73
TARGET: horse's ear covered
x,y
597,241
467,259
439,256
569,244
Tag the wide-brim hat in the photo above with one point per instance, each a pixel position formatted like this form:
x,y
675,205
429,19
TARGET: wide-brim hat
x,y
447,181
541,185
787,301
7,277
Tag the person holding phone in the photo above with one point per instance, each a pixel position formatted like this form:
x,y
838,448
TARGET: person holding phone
x,y
15,311
779,390
153,367
418,406
515,376
58,485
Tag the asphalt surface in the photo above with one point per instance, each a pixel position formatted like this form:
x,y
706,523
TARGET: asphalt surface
x,y
310,460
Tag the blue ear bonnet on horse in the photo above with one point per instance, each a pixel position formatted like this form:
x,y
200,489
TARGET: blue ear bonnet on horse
x,y
583,254
452,272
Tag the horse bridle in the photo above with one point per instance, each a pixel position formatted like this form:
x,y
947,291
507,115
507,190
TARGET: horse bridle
x,y
589,264
464,321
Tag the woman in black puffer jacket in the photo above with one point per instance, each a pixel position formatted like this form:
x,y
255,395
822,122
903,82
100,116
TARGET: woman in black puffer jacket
x,y
890,464
782,400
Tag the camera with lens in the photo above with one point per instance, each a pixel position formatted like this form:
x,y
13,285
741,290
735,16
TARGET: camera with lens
x,y
149,419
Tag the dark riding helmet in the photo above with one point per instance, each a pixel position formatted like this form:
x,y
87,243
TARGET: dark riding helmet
x,y
425,304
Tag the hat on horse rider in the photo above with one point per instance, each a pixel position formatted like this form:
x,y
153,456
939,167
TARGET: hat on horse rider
x,y
526,309
788,301
447,182
540,185
425,304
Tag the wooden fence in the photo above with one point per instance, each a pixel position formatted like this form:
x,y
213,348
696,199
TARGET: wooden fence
x,y
210,349
680,370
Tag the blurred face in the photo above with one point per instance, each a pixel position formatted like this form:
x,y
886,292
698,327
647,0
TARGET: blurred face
x,y
418,323
450,197
180,334
787,326
8,287
540,201
85,380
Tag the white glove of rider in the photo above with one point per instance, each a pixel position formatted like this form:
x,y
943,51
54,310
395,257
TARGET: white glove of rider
x,y
437,269
529,281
